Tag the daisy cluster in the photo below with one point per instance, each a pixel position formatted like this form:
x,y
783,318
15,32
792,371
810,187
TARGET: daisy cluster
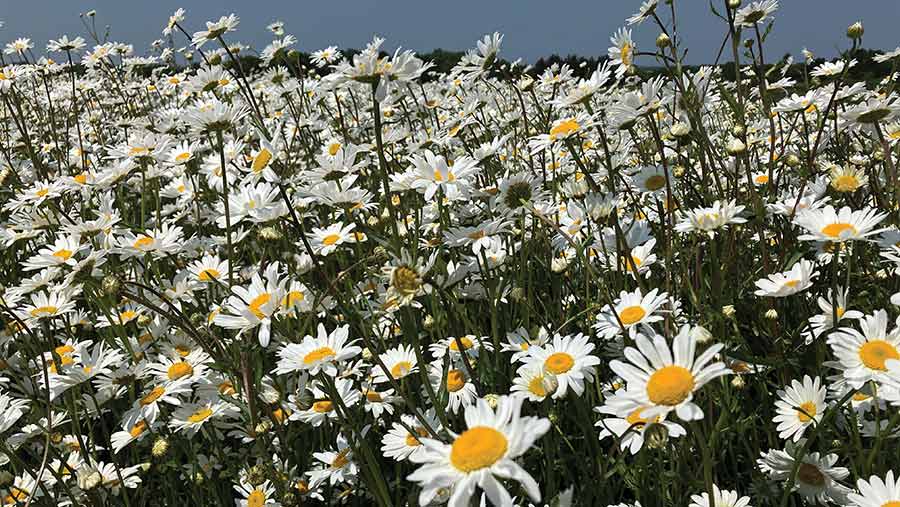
x,y
352,279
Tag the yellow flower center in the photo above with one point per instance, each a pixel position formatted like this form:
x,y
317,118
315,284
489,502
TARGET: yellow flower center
x,y
835,230
323,406
876,352
807,412
791,283
413,440
670,385
44,310
152,396
181,157
401,369
632,314
845,183
331,239
373,396
143,242
536,386
559,363
179,370
257,303
81,179
455,380
333,148
63,254
261,160
138,429
466,343
564,128
892,503
293,297
761,179
226,388
340,461
256,498
634,418
320,354
200,415
208,275
477,448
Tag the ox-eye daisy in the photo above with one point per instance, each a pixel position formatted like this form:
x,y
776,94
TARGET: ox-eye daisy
x,y
400,362
630,311
863,356
826,224
801,405
665,382
721,498
318,353
876,492
477,457
817,477
569,359
627,423
797,279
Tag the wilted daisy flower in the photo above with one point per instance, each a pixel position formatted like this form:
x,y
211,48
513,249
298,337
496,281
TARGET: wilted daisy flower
x,y
817,477
663,382
800,405
480,455
797,279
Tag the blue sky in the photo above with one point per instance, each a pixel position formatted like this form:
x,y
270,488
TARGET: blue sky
x,y
533,28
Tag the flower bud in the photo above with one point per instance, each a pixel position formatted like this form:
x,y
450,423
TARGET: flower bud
x,y
656,435
856,30
111,285
728,311
663,41
492,399
88,479
735,146
160,447
734,4
701,334
772,314
738,382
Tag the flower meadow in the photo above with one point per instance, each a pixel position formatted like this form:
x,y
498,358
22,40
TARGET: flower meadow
x,y
350,278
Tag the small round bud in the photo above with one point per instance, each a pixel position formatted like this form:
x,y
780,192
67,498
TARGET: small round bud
x,y
680,129
6,479
160,447
656,436
701,334
856,30
734,4
771,314
792,160
111,285
738,130
492,399
88,479
429,322
678,171
198,478
738,382
735,146
263,427
517,294
748,43
663,41
144,320
367,354
269,234
256,475
728,311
